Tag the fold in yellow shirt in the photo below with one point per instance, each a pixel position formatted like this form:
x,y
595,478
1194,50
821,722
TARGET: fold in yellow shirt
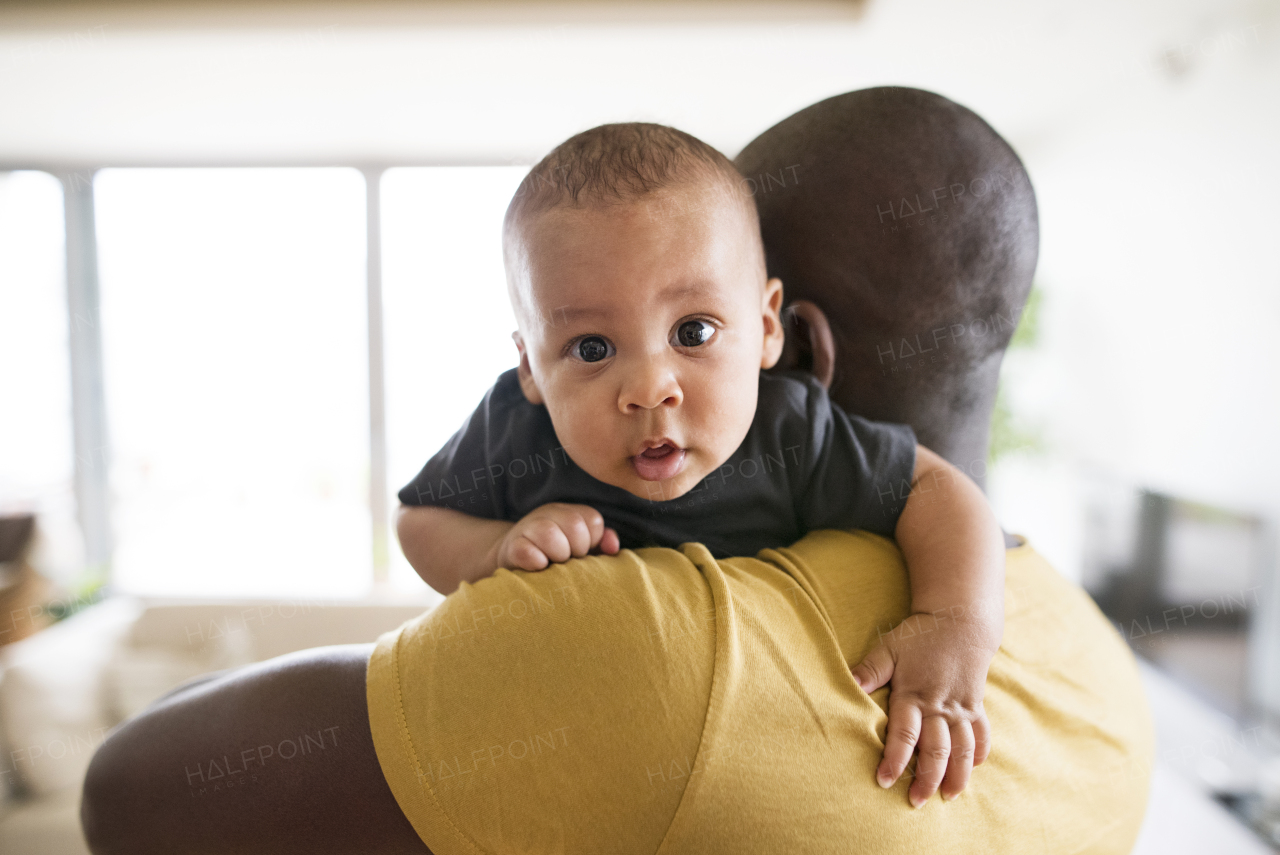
x,y
663,701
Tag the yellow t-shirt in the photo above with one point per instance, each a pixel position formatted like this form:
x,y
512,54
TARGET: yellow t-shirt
x,y
663,701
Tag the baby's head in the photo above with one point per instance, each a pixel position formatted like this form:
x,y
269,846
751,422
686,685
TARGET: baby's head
x,y
636,271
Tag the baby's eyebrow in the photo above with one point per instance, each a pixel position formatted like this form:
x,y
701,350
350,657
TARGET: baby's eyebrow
x,y
564,314
682,291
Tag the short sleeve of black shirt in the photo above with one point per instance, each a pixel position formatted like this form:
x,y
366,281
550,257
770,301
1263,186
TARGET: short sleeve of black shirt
x,y
506,439
857,471
805,464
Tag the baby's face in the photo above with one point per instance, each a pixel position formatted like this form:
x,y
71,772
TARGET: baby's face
x,y
643,328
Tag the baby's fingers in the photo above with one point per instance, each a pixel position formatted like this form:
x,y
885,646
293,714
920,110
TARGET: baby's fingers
x,y
900,739
981,739
609,543
931,760
580,529
585,529
525,555
549,537
960,764
875,670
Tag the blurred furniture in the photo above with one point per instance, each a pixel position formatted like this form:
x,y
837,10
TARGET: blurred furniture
x,y
1191,588
1200,754
63,689
22,591
1186,585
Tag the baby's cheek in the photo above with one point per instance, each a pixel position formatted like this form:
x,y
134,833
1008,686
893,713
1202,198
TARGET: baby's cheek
x,y
733,410
589,449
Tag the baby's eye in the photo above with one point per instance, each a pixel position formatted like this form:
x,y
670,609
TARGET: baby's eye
x,y
592,349
694,333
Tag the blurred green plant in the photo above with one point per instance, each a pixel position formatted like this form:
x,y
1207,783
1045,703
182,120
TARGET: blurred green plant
x,y
1009,433
87,590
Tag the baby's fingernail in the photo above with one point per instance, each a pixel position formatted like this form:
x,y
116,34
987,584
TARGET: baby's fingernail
x,y
884,780
951,798
916,801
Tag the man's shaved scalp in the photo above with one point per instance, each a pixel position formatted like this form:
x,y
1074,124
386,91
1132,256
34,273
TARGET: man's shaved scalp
x,y
913,225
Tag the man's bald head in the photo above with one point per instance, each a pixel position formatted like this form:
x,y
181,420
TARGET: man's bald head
x,y
913,225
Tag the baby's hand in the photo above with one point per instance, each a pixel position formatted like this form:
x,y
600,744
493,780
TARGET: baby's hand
x,y
553,534
938,671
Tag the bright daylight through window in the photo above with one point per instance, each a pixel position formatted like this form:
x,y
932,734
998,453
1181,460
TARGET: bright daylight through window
x,y
37,473
235,361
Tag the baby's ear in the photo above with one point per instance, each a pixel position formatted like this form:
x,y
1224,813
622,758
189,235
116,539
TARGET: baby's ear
x,y
774,334
525,373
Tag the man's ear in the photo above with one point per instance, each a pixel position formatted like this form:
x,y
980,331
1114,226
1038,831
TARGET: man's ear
x,y
774,334
525,373
810,346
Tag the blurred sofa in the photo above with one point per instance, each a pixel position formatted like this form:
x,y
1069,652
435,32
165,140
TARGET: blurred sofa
x,y
64,688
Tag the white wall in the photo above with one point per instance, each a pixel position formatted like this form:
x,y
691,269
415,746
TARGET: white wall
x,y
1160,362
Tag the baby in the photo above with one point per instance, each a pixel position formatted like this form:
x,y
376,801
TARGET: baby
x,y
639,416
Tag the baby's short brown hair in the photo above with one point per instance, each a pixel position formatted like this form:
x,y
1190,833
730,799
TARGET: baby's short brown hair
x,y
621,163
617,163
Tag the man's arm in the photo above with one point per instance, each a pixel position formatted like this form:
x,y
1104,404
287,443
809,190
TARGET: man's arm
x,y
199,772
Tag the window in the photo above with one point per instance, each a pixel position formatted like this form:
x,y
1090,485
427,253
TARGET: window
x,y
235,363
36,449
236,374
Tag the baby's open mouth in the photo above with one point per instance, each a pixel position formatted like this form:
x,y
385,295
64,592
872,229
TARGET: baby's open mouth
x,y
660,463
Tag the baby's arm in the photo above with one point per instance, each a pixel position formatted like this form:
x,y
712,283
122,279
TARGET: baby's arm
x,y
937,658
448,547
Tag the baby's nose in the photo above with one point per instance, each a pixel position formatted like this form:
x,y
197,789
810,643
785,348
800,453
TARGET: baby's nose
x,y
648,386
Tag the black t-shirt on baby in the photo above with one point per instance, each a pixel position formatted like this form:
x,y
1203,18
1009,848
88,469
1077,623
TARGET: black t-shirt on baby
x,y
805,464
